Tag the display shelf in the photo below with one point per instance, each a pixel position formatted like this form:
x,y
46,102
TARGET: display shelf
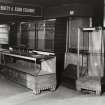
x,y
23,68
28,70
89,29
84,52
18,56
74,50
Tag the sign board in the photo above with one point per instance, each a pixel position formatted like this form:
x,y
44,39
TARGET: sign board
x,y
20,10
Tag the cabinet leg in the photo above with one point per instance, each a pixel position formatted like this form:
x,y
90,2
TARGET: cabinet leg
x,y
53,88
36,92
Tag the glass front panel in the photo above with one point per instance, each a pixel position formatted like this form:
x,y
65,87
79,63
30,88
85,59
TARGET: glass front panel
x,y
37,35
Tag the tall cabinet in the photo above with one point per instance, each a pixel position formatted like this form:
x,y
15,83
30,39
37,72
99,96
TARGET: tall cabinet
x,y
71,56
90,70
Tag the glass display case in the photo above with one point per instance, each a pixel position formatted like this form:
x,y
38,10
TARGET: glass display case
x,y
37,35
90,50
35,70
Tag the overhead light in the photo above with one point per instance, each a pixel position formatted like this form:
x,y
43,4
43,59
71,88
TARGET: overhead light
x,y
51,19
71,12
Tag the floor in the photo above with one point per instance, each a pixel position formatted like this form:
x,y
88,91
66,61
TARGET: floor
x,y
14,94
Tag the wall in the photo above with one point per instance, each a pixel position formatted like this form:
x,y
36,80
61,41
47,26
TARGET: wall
x,y
64,10
104,15
13,34
98,12
60,46
95,9
73,25
60,35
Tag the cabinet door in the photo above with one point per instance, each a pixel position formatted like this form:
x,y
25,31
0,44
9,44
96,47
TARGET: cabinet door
x,y
74,24
96,65
95,42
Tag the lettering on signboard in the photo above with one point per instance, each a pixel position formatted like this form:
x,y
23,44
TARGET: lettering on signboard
x,y
19,10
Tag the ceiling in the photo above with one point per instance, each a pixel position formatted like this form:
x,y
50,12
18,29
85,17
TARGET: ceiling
x,y
44,3
48,3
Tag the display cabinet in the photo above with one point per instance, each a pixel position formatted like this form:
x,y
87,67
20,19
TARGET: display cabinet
x,y
35,70
71,56
90,71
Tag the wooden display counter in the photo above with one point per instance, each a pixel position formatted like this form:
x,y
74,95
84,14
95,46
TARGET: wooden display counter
x,y
36,72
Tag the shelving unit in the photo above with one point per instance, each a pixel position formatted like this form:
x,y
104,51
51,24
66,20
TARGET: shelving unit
x,y
91,70
36,72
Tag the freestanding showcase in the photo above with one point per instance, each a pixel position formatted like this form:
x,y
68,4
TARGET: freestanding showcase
x,y
34,70
90,71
